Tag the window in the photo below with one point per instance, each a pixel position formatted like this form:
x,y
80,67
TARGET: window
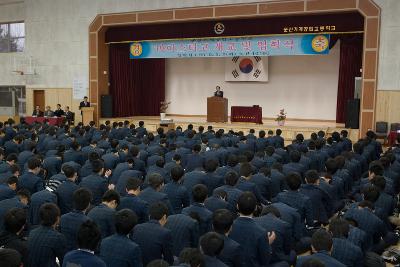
x,y
12,37
20,95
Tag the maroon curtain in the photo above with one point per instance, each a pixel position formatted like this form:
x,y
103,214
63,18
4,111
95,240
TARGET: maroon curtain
x,y
137,86
351,49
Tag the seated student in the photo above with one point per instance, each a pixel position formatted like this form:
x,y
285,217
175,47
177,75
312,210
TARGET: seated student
x,y
217,201
231,254
191,257
244,183
194,160
152,194
12,236
295,199
212,179
88,237
37,112
118,250
45,244
10,258
176,192
184,230
152,237
256,250
343,250
104,213
321,245
198,210
96,182
20,201
8,190
58,112
211,244
133,202
71,221
232,192
385,202
29,180
66,189
294,165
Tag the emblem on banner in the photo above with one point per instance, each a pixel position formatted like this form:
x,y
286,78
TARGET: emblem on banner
x,y
320,43
136,49
219,28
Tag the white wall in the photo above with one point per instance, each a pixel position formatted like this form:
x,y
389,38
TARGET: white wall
x,y
300,84
57,36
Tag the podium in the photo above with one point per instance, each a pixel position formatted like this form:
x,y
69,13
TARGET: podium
x,y
87,115
217,109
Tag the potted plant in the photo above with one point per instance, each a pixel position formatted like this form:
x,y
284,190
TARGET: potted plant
x,y
281,117
163,109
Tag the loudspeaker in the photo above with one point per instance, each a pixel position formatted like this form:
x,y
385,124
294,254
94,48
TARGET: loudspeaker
x,y
106,106
352,114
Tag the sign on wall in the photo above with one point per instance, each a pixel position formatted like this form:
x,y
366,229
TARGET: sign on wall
x,y
79,88
306,44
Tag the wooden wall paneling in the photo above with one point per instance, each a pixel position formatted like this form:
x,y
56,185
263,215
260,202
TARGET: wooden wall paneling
x,y
29,101
387,107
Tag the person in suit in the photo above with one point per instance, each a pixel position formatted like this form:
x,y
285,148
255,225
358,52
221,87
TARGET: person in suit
x,y
185,232
198,210
244,183
48,112
37,112
256,250
88,238
231,254
385,202
103,214
118,250
133,202
66,189
45,244
13,146
11,160
191,257
12,236
8,190
212,179
211,244
95,182
20,201
217,201
69,115
321,245
72,221
343,250
194,160
152,194
218,92
141,130
30,180
176,192
153,238
74,154
85,103
58,112
232,192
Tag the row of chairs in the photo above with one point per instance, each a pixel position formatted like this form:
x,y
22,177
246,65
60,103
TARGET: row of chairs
x,y
382,129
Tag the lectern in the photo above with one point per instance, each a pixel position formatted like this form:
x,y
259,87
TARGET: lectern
x,y
217,109
87,115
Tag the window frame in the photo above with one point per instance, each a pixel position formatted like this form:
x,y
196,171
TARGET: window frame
x,y
9,39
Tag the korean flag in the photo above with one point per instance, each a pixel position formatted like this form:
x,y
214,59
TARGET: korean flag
x,y
251,69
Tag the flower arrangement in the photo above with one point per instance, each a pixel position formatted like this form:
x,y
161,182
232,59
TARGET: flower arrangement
x,y
164,106
281,116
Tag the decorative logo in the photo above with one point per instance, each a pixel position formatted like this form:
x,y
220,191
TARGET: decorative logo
x,y
219,28
246,65
136,49
320,43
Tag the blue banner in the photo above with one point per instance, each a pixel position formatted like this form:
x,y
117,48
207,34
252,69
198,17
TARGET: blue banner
x,y
308,44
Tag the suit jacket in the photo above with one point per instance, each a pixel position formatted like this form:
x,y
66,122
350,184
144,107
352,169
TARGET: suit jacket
x,y
137,205
320,202
82,258
204,216
322,256
253,240
12,241
64,193
154,240
233,195
83,104
121,167
277,182
231,254
52,165
213,262
246,185
44,245
103,216
58,112
190,179
119,251
48,113
184,230
76,156
347,253
123,179
97,185
298,201
11,147
214,203
193,162
6,192
37,113
38,199
292,217
69,226
151,196
6,205
263,183
110,160
358,237
212,181
178,195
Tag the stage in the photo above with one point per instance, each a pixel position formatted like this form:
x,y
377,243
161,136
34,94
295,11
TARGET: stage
x,y
289,130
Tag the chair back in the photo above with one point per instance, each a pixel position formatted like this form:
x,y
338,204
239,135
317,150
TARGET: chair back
x,y
381,127
394,127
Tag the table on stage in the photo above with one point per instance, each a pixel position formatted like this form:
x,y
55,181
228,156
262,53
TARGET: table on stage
x,y
52,120
246,114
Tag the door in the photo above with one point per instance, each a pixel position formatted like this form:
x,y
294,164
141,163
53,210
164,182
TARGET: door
x,y
38,99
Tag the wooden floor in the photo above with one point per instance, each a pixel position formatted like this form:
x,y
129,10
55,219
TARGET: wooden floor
x,y
289,130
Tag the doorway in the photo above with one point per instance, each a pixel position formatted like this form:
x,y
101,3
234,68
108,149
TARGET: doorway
x,y
38,99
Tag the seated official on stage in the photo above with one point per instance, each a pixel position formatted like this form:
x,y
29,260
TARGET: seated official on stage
x,y
218,92
69,115
37,112
58,112
48,112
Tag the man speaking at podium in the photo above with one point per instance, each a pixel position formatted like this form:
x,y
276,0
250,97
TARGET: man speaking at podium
x,y
218,92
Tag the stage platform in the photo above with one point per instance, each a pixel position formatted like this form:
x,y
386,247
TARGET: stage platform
x,y
289,130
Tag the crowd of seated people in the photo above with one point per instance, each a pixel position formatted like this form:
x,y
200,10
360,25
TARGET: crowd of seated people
x,y
119,195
